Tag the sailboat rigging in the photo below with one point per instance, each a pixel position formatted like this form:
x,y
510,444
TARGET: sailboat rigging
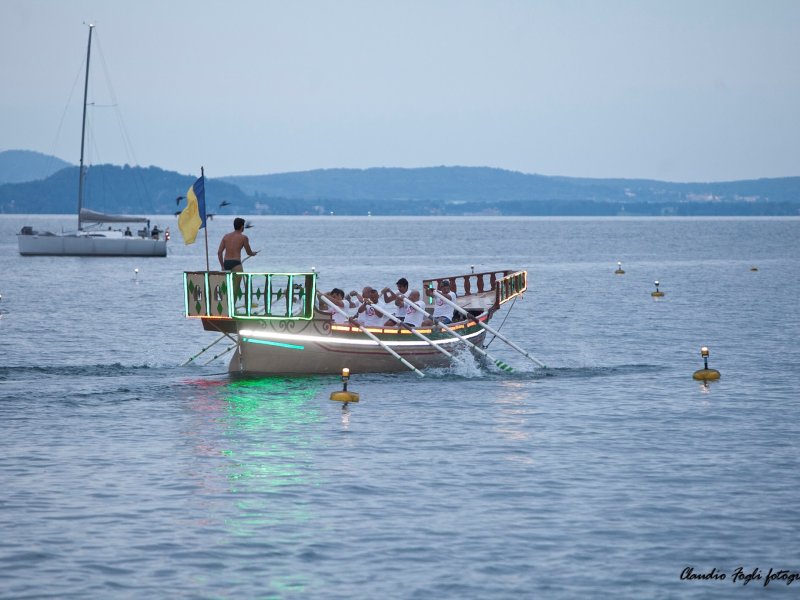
x,y
95,242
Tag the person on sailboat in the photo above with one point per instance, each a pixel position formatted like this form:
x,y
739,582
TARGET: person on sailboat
x,y
230,247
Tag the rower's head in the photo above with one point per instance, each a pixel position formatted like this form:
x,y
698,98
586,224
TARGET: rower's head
x,y
238,224
402,285
414,296
337,293
445,285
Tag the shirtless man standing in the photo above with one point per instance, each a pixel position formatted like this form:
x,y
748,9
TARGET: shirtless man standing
x,y
231,245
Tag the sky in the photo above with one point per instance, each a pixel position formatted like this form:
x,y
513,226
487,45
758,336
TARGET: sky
x,y
675,90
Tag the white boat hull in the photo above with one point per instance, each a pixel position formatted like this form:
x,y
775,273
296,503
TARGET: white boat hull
x,y
278,327
293,354
88,245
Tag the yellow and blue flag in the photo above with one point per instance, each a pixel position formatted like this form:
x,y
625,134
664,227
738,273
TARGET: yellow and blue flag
x,y
193,217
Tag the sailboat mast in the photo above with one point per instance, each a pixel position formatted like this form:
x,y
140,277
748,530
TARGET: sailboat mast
x,y
83,127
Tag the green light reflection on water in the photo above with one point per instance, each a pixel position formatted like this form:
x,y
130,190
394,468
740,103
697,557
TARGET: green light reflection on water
x,y
270,434
270,428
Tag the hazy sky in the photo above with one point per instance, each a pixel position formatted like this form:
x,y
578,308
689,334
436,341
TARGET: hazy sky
x,y
695,90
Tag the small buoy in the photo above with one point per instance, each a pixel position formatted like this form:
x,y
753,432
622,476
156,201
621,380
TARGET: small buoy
x,y
657,293
136,274
705,374
344,395
619,270
754,268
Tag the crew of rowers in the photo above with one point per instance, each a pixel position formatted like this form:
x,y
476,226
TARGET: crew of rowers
x,y
403,306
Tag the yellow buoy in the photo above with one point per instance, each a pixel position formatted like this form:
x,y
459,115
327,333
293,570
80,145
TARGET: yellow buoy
x,y
657,293
344,395
619,270
705,374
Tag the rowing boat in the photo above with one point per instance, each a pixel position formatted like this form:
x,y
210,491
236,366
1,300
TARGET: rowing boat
x,y
278,325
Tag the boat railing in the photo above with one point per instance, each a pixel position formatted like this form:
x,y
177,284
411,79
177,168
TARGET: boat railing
x,y
231,295
505,284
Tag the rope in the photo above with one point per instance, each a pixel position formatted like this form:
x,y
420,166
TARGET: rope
x,y
508,312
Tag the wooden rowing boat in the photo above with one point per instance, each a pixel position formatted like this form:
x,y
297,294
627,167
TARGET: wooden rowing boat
x,y
278,325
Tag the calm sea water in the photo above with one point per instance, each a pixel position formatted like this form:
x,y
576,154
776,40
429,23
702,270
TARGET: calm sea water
x,y
125,475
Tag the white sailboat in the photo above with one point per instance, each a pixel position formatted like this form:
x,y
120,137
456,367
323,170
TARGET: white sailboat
x,y
97,240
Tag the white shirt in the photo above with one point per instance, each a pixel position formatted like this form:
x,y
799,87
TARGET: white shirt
x,y
442,308
399,311
371,317
338,318
415,314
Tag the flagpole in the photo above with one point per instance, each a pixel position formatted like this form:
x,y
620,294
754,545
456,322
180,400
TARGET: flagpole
x,y
205,229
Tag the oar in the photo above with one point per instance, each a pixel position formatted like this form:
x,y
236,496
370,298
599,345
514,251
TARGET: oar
x,y
478,349
219,339
223,353
414,331
370,335
525,353
496,361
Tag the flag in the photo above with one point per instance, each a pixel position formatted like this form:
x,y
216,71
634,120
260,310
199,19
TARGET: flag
x,y
193,217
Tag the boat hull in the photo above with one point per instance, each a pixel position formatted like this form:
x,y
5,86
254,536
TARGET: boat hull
x,y
73,245
317,351
278,326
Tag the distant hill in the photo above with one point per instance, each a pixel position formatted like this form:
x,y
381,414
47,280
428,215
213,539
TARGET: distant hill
x,y
17,166
487,191
483,184
113,189
395,191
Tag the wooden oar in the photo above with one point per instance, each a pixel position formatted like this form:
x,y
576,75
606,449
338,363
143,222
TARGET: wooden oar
x,y
525,353
219,339
412,330
370,335
478,349
223,353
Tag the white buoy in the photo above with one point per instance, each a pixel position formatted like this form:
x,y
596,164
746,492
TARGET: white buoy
x,y
619,270
136,274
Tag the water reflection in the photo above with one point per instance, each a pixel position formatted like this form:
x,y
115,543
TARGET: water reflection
x,y
263,433
513,418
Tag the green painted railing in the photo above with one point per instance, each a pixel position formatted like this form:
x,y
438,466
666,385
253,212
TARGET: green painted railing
x,y
227,295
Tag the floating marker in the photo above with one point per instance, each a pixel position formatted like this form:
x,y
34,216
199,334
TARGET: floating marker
x,y
136,274
344,395
705,374
619,270
657,293
754,268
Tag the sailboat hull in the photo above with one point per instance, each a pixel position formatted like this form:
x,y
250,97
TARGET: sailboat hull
x,y
88,245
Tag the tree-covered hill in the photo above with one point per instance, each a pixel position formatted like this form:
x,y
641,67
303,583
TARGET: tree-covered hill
x,y
395,191
114,189
17,166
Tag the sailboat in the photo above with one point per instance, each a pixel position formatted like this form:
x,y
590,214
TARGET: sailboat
x,y
97,240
